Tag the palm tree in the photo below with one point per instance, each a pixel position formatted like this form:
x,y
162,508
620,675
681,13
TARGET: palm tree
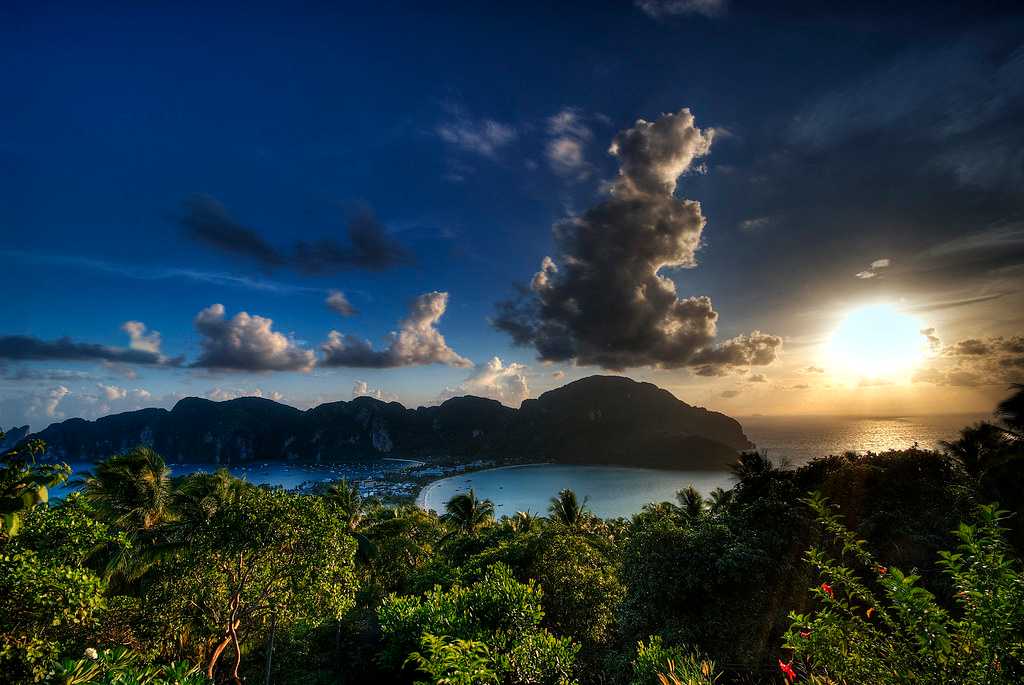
x,y
691,502
468,513
199,496
752,466
345,496
522,522
1011,411
661,509
132,490
720,500
978,446
567,510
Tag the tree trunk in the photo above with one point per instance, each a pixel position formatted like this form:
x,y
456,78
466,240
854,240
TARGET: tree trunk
x,y
270,649
230,636
216,655
238,654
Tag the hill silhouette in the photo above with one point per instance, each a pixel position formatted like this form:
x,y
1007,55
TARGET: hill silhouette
x,y
595,420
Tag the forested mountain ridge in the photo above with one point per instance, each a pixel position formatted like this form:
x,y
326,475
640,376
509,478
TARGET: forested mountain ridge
x,y
599,419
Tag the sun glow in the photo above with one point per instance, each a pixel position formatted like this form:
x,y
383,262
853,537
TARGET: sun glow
x,y
877,341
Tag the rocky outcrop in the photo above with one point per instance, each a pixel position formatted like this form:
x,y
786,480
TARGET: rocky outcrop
x,y
596,420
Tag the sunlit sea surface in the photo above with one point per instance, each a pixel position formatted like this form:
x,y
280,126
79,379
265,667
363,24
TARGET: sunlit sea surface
x,y
801,438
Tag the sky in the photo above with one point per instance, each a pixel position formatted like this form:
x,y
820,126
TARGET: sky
x,y
766,208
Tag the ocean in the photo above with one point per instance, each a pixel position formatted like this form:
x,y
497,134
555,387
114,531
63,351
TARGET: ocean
x,y
799,439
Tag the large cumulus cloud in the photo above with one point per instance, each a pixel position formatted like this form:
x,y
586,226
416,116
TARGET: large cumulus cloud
x,y
416,342
246,343
605,300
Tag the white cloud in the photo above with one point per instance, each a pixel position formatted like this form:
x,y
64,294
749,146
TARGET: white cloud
x,y
874,269
53,399
363,389
483,137
219,394
112,392
568,138
247,343
494,380
416,342
140,339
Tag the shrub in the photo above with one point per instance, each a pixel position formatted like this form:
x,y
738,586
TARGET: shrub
x,y
124,667
877,624
497,611
455,662
656,662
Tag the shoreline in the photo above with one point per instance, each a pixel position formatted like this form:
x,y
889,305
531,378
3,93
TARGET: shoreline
x,y
421,496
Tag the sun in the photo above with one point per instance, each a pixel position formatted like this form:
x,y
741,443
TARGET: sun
x,y
877,341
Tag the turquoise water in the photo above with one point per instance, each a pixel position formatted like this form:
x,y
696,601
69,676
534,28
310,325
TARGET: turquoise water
x,y
610,490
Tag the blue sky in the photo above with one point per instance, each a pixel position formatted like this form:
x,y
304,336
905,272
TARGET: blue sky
x,y
842,137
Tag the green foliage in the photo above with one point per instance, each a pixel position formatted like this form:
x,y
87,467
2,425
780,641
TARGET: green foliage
x,y
123,667
210,570
498,611
261,554
454,662
656,661
877,624
42,603
694,583
24,484
581,588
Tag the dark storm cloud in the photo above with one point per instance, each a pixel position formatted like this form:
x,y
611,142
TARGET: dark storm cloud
x,y
208,221
369,246
27,348
605,302
246,343
416,342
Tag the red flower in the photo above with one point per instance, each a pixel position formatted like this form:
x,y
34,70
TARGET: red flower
x,y
882,570
805,634
787,670
828,590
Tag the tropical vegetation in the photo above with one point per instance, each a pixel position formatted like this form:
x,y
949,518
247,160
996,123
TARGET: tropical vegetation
x,y
900,567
